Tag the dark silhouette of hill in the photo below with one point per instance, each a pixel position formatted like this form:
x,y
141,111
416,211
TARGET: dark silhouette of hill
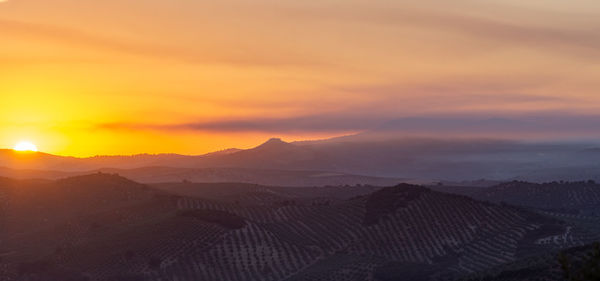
x,y
34,160
577,198
547,267
43,161
575,172
106,227
407,158
217,175
253,194
386,201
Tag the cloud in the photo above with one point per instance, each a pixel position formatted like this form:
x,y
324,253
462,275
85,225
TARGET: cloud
x,y
550,124
465,90
301,124
69,36
493,94
417,109
574,41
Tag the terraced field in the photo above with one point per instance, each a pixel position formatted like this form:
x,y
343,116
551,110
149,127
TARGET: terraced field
x,y
545,267
105,227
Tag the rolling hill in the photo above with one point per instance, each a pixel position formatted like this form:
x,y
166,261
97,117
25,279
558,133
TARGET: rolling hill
x,y
216,175
547,267
577,198
106,227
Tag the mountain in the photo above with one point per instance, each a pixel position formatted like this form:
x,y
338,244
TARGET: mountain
x,y
105,227
422,159
273,154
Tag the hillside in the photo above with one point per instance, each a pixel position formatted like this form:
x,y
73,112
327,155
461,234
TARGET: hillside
x,y
105,227
582,198
244,192
547,267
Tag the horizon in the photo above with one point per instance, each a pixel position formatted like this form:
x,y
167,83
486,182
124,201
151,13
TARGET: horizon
x,y
126,77
593,142
410,128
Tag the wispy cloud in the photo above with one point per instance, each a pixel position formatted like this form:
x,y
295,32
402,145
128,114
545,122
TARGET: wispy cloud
x,y
540,125
573,41
310,123
76,37
554,124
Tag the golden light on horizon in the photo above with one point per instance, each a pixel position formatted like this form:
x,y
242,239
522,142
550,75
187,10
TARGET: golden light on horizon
x,y
110,77
25,146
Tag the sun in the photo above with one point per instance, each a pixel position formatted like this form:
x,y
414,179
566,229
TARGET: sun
x,y
25,146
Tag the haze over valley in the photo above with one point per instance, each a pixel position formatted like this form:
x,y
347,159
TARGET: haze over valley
x,y
347,160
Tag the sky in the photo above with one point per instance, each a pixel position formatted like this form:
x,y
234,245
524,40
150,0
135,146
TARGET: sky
x,y
88,77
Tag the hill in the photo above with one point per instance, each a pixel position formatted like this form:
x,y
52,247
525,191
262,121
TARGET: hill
x,y
578,198
216,175
105,227
548,267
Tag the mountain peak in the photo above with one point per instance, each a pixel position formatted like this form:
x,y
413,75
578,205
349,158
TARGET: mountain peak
x,y
274,142
275,145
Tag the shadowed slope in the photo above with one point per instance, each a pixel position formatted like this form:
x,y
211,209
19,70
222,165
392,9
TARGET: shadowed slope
x,y
109,228
577,198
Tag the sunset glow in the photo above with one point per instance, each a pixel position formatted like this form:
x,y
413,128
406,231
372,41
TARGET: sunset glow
x,y
114,77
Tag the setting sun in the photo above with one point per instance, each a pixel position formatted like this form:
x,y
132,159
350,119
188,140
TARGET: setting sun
x,y
25,146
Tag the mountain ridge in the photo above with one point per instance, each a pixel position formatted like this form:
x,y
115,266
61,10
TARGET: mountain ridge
x,y
422,159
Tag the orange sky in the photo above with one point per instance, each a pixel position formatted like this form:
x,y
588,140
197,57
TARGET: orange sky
x,y
86,77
